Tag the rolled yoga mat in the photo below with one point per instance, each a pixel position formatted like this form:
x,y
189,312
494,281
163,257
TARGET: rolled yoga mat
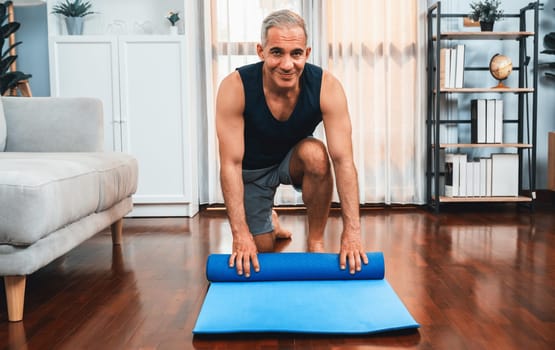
x,y
300,293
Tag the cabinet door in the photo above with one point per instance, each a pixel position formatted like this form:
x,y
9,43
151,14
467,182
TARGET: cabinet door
x,y
88,67
154,127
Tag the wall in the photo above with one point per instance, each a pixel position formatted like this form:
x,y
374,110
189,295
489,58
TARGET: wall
x,y
33,59
33,52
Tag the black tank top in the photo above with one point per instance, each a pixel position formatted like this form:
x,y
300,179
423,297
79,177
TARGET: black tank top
x,y
267,140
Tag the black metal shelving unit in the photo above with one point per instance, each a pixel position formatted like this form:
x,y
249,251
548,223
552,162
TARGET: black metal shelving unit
x,y
526,119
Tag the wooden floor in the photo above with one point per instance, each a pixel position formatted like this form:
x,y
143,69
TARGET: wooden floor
x,y
473,279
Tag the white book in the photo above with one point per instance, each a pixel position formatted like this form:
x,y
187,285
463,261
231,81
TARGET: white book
x,y
488,177
504,174
478,120
498,132
470,179
490,121
462,174
459,70
452,68
483,177
476,178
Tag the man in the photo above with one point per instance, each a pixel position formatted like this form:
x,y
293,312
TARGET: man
x,y
265,115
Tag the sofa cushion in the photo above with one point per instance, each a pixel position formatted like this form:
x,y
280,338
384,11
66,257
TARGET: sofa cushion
x,y
46,191
3,128
40,195
117,174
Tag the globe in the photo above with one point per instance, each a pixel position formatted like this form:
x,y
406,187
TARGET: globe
x,y
500,67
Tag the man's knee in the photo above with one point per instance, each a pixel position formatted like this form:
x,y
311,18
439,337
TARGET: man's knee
x,y
313,155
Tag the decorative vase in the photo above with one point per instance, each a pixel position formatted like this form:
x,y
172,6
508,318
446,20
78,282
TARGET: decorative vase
x,y
173,30
74,25
486,26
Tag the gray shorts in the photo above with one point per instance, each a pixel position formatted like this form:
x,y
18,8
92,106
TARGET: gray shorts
x,y
259,189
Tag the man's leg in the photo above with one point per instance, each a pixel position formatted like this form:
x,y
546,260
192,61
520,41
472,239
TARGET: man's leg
x,y
265,242
279,232
310,168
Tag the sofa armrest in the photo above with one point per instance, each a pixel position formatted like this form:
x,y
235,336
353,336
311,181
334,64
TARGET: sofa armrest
x,y
53,124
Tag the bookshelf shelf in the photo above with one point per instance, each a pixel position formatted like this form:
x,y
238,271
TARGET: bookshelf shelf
x,y
517,199
504,162
485,145
483,35
485,90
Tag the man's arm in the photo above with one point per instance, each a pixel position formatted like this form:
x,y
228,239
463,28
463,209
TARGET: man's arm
x,y
337,125
230,127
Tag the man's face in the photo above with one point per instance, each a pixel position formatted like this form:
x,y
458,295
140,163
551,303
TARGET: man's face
x,y
284,56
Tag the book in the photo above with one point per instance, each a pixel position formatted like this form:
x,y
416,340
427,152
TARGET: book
x,y
459,69
462,174
498,132
444,67
504,174
483,176
476,178
490,121
470,179
452,68
488,177
478,121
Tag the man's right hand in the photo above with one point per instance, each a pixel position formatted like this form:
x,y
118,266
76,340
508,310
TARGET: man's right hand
x,y
244,253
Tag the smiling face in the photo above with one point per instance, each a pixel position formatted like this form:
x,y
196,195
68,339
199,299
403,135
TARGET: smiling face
x,y
284,56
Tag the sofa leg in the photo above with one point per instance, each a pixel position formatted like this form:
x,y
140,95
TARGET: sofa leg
x,y
117,228
15,296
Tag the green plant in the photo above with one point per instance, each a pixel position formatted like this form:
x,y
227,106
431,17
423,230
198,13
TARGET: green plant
x,y
8,80
486,11
73,8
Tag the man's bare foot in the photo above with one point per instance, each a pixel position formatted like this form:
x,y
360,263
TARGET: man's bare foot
x,y
316,246
279,232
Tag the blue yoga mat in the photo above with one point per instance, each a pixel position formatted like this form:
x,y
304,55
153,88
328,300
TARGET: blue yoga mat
x,y
300,293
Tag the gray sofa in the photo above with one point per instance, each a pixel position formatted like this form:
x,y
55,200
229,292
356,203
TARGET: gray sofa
x,y
57,187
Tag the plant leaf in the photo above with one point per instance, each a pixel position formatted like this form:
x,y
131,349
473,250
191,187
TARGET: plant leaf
x,y
10,80
9,48
6,63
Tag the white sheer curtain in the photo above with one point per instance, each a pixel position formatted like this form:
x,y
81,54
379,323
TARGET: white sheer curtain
x,y
376,49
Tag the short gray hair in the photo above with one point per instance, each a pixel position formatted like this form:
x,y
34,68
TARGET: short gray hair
x,y
281,19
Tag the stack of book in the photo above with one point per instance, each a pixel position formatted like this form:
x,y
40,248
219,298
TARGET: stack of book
x,y
451,67
486,121
496,175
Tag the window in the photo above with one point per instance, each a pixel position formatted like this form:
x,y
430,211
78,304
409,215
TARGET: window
x,y
236,30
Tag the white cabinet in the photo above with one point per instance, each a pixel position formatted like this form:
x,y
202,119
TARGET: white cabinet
x,y
88,66
149,110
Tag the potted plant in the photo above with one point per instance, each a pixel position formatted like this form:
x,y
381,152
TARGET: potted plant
x,y
8,79
74,12
486,12
173,17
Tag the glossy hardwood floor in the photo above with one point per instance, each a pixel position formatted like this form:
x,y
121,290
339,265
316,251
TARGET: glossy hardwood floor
x,y
473,279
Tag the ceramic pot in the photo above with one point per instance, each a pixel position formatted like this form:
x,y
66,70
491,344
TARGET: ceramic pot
x,y
74,25
486,26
